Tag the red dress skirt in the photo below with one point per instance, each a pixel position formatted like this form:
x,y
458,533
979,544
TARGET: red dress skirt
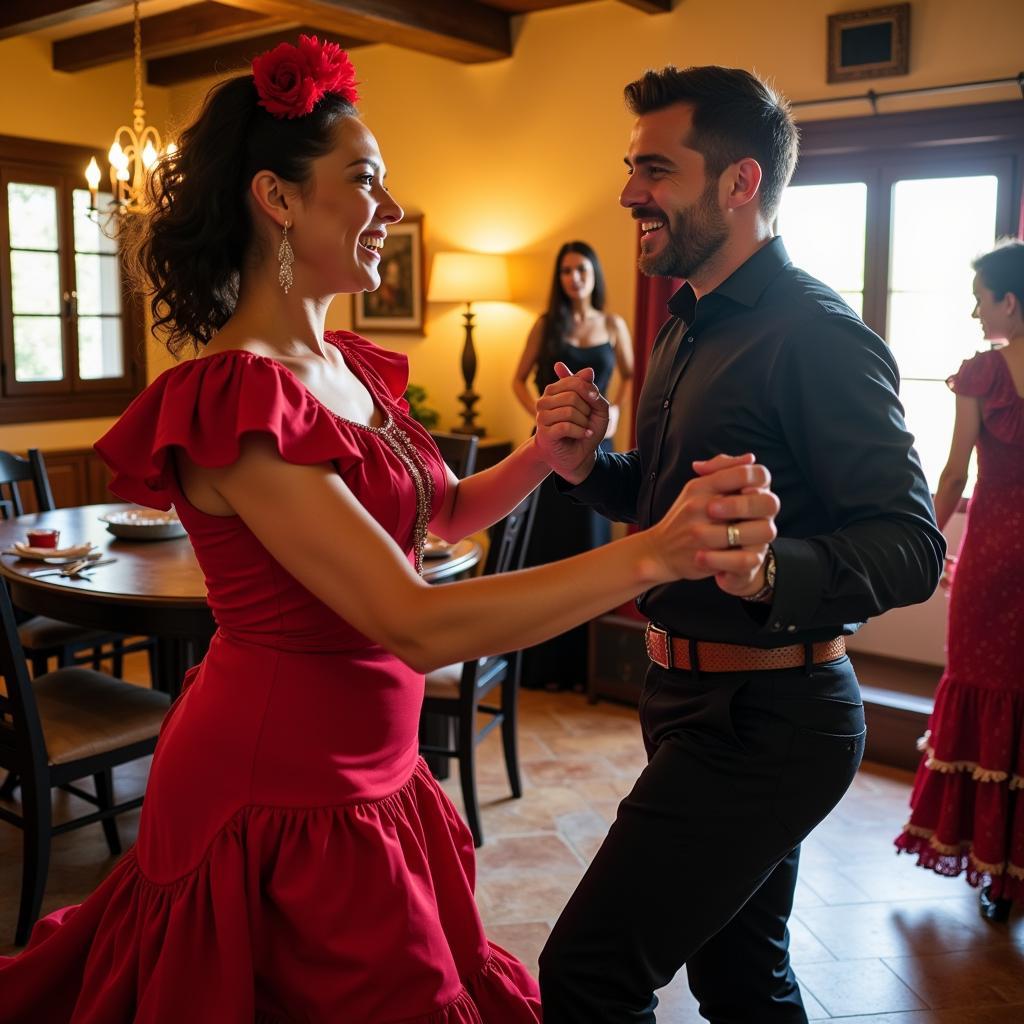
x,y
296,862
967,811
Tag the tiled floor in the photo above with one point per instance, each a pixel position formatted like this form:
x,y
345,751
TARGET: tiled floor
x,y
875,939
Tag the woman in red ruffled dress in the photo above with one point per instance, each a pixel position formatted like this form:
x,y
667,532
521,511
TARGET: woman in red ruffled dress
x,y
296,862
967,807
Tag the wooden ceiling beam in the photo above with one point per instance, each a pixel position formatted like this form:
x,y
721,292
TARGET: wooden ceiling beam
x,y
234,56
163,34
650,6
461,30
18,17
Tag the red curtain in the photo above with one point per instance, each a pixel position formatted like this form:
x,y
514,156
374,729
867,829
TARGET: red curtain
x,y
649,313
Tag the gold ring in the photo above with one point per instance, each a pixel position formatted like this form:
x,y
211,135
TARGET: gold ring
x,y
732,534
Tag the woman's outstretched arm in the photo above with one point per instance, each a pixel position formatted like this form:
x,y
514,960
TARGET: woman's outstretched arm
x,y
357,569
527,361
481,500
624,369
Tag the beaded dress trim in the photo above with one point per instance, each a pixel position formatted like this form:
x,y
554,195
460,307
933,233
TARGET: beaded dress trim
x,y
407,453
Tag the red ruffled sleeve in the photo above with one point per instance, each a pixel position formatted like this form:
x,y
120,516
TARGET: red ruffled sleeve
x,y
205,407
390,369
976,376
986,376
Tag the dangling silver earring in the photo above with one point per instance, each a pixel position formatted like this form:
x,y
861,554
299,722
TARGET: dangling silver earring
x,y
285,261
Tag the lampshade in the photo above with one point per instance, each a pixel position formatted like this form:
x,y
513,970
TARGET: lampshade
x,y
468,277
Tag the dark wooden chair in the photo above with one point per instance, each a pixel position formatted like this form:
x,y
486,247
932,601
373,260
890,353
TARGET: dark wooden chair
x,y
59,728
456,691
458,450
45,640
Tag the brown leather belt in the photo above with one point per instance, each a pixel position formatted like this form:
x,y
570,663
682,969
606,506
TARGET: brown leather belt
x,y
674,652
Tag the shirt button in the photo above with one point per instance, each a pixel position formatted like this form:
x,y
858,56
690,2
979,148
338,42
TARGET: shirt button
x,y
791,629
665,404
689,340
653,474
776,626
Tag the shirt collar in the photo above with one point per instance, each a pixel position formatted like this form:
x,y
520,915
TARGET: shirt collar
x,y
745,285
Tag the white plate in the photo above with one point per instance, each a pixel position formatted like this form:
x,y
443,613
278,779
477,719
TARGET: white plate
x,y
144,524
57,556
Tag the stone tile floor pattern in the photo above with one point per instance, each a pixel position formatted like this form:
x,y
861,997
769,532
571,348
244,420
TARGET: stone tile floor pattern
x,y
876,940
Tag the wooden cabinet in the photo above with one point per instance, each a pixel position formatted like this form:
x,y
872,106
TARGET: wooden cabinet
x,y
618,658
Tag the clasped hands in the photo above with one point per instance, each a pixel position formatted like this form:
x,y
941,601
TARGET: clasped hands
x,y
721,523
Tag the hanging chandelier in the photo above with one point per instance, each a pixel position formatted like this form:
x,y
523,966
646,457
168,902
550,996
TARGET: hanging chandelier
x,y
135,150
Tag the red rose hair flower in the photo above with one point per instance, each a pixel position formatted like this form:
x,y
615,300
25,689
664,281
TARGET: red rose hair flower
x,y
290,80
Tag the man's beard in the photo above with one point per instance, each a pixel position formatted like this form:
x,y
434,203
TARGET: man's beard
x,y
695,235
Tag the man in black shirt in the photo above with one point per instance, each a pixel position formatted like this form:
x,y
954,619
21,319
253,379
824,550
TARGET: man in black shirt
x,y
751,712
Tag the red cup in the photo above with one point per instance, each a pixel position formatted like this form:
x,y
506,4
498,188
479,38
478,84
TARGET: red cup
x,y
43,538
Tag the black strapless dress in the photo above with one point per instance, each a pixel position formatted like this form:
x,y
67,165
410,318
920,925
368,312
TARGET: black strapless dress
x,y
563,528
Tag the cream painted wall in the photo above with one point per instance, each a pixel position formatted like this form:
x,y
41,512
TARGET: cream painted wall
x,y
82,108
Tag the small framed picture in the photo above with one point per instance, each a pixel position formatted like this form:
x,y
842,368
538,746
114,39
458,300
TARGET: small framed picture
x,y
872,43
397,305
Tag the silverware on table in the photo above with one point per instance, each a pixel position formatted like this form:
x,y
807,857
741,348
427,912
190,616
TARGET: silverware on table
x,y
74,570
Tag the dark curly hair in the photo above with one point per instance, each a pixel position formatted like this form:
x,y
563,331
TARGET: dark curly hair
x,y
187,253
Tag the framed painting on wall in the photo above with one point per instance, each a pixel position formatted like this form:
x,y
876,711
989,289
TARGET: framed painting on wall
x,y
871,43
397,305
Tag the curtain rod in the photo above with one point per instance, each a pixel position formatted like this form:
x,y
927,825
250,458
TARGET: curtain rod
x,y
929,90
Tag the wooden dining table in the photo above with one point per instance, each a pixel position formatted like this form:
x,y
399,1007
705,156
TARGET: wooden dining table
x,y
153,588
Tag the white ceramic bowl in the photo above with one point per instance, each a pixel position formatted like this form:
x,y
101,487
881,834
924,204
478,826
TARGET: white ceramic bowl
x,y
144,524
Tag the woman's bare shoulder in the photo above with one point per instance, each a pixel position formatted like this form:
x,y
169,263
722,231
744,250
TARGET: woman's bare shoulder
x,y
617,327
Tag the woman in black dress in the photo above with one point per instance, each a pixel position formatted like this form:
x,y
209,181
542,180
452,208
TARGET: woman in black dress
x,y
578,331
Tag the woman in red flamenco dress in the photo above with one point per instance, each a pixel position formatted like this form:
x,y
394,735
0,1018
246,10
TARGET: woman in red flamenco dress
x,y
967,806
296,862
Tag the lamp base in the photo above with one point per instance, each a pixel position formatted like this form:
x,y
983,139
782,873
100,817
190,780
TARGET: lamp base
x,y
469,398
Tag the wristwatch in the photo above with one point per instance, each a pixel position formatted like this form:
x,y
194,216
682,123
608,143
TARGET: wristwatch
x,y
765,593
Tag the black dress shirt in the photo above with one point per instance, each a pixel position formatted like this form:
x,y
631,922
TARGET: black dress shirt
x,y
775,363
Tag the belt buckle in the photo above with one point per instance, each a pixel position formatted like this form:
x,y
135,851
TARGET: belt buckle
x,y
652,628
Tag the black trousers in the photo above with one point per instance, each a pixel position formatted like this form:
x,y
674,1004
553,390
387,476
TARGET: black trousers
x,y
700,865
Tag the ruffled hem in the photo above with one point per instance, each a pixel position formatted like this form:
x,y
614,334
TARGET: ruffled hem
x,y
292,914
1006,879
987,376
967,814
978,772
976,729
494,995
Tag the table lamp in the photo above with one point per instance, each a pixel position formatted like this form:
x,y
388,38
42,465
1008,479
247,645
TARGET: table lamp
x,y
468,277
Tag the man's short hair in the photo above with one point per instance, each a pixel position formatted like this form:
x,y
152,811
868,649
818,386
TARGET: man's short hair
x,y
735,115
